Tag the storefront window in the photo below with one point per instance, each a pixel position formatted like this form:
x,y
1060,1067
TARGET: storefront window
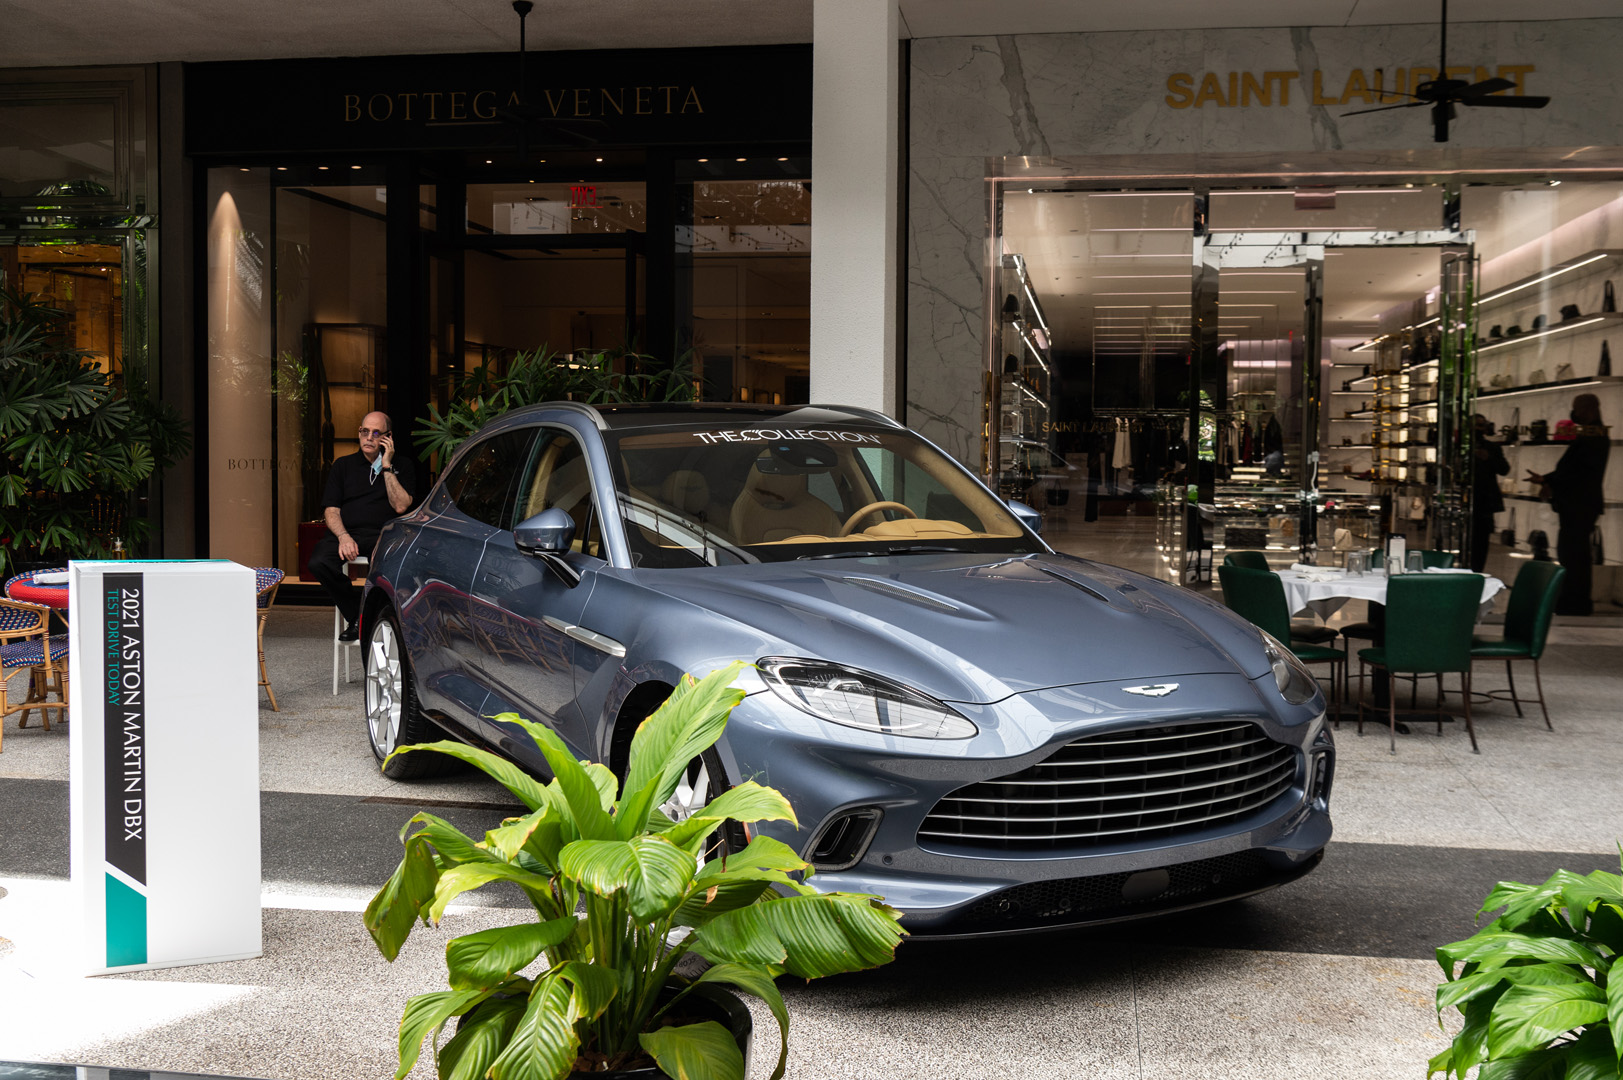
x,y
1304,365
749,243
296,329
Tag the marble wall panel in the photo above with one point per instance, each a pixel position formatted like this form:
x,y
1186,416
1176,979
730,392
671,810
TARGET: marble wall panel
x,y
1085,95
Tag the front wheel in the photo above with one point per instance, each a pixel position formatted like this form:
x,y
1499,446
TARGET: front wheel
x,y
392,717
704,780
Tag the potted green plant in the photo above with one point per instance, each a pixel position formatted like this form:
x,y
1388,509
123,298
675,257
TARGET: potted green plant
x,y
614,882
1536,986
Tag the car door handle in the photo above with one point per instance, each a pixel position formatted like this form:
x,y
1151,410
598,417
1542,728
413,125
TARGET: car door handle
x,y
601,642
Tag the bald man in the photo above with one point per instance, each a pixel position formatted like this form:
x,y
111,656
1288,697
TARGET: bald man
x,y
364,490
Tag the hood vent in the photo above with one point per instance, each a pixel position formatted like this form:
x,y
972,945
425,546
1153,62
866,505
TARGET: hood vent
x,y
1075,584
902,592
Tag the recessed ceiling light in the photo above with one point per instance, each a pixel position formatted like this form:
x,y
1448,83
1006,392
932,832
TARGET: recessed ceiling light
x,y
355,166
323,168
599,159
703,160
487,161
783,159
281,168
242,170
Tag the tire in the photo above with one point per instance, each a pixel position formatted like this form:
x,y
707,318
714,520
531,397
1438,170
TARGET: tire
x,y
704,780
392,717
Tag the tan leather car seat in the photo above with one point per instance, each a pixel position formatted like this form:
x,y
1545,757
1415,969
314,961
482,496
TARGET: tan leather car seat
x,y
776,507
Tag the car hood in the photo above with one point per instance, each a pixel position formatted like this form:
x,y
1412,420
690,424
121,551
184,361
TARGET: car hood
x,y
974,627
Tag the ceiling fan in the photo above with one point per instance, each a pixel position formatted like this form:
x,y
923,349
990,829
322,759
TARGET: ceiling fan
x,y
1443,93
577,132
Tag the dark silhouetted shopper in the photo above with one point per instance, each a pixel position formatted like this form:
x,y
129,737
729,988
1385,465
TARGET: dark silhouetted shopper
x,y
1574,488
1486,499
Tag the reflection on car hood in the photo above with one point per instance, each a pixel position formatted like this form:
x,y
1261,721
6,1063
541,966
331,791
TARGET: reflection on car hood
x,y
975,627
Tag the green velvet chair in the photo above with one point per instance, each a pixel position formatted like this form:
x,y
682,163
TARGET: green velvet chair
x,y
1527,626
1304,631
1258,597
1372,631
1250,560
1429,621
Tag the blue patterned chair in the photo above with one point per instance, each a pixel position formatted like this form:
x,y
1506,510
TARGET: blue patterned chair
x,y
26,644
267,580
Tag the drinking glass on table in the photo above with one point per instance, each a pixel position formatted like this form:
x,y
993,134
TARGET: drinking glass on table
x,y
1417,562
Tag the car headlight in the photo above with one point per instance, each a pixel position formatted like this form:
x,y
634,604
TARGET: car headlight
x,y
1296,683
857,699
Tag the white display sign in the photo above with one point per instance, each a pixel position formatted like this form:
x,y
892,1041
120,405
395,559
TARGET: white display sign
x,y
164,763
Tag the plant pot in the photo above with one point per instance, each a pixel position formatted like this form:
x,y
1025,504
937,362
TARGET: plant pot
x,y
707,1002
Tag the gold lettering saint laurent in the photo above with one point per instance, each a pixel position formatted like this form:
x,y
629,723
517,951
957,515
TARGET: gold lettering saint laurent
x,y
474,105
1377,86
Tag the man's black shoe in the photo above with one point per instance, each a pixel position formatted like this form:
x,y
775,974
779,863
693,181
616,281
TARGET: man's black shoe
x,y
350,632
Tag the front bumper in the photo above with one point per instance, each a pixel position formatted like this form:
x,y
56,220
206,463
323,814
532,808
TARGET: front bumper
x,y
944,889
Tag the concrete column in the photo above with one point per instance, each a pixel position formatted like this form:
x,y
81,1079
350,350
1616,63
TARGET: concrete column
x,y
855,81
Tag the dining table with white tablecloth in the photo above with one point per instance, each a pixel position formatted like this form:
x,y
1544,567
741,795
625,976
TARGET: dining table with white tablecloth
x,y
1322,590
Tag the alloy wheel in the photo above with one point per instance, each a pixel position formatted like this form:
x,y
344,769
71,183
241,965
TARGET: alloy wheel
x,y
384,688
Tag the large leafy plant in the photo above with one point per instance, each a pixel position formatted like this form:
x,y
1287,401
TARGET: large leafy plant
x,y
1536,986
613,881
610,377
75,443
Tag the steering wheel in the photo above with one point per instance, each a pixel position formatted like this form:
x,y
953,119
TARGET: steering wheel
x,y
883,504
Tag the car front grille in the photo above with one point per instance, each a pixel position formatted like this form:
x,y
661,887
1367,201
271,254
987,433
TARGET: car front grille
x,y
1121,787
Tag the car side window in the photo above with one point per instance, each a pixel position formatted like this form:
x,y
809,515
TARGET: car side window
x,y
558,477
483,481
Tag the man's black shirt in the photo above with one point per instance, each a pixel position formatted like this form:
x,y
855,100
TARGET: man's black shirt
x,y
363,500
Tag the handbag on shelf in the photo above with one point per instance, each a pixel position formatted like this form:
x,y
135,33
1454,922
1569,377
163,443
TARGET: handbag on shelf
x,y
1536,377
1512,431
1507,535
1563,372
1565,431
1538,432
1538,323
1605,359
1570,312
1417,508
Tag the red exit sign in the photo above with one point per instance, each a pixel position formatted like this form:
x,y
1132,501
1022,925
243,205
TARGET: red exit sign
x,y
583,197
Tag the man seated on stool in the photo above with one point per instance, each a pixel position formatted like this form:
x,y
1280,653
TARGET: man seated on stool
x,y
364,490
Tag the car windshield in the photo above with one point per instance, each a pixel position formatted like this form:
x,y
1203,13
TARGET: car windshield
x,y
722,495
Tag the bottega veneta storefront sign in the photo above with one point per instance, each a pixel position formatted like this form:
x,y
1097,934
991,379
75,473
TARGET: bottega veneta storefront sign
x,y
164,738
462,101
1376,86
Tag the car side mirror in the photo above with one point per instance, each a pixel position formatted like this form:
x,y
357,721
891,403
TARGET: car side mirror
x,y
1024,514
547,536
550,532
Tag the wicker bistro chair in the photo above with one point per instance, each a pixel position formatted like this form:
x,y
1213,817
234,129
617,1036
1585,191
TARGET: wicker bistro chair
x,y
1258,597
25,643
1429,622
267,580
1527,626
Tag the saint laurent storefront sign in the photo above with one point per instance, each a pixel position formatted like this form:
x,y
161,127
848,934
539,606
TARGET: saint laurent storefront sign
x,y
642,97
1375,86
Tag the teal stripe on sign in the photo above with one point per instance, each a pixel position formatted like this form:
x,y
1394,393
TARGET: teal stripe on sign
x,y
126,924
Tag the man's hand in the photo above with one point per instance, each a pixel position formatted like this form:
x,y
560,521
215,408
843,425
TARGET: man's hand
x,y
347,548
386,449
1534,478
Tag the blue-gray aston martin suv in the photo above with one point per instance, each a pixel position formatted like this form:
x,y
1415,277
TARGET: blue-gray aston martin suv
x,y
990,735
